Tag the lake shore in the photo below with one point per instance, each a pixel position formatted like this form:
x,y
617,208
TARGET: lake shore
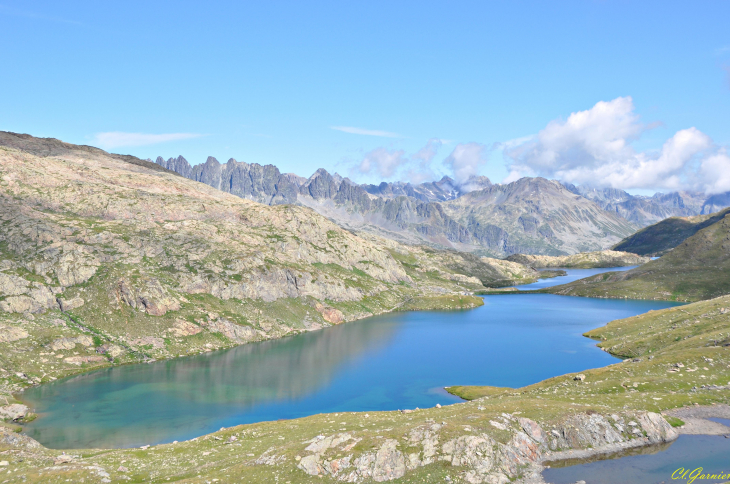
x,y
445,442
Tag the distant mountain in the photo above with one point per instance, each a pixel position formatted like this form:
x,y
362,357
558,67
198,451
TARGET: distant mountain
x,y
440,191
645,211
531,215
536,216
666,235
263,184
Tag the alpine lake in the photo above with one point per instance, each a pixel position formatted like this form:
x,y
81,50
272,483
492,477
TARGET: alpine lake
x,y
388,362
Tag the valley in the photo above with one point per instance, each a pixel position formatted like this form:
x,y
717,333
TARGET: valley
x,y
113,264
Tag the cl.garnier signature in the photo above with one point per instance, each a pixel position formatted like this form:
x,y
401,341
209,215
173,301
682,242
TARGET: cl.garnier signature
x,y
690,475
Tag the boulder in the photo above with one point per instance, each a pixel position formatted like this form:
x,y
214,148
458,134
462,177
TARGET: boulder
x,y
68,305
70,343
11,333
14,412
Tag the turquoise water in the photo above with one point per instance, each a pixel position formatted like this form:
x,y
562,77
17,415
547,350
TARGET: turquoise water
x,y
653,465
388,362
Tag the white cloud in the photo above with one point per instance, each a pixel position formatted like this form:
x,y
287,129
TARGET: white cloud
x,y
116,139
421,169
384,161
715,172
593,147
466,159
367,132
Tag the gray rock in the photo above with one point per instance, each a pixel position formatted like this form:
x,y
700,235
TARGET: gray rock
x,y
14,412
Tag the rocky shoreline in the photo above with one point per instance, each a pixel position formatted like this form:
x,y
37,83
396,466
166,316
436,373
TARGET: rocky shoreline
x,y
695,423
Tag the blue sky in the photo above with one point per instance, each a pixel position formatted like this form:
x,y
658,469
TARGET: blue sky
x,y
267,82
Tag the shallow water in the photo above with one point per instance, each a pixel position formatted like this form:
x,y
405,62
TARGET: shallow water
x,y
653,465
400,360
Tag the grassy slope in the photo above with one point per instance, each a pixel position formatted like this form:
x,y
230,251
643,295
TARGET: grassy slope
x,y
697,269
663,236
658,340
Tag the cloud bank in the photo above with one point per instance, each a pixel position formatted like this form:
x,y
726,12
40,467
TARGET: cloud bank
x,y
464,161
594,148
117,139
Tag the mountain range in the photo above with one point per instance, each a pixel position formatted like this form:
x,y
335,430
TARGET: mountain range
x,y
530,215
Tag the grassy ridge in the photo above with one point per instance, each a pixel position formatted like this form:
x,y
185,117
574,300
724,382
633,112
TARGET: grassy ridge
x,y
663,236
697,269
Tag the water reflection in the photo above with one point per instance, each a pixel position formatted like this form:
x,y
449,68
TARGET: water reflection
x,y
383,363
138,404
652,464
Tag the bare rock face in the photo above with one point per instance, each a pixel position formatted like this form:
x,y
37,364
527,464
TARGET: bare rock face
x,y
479,457
388,464
231,330
13,412
68,305
11,285
111,350
183,328
329,314
11,333
36,299
150,297
70,343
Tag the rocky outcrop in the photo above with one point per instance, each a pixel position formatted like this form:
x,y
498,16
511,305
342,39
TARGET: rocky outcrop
x,y
481,457
111,350
148,296
68,305
585,260
263,184
70,343
15,411
81,360
330,314
11,333
232,331
183,328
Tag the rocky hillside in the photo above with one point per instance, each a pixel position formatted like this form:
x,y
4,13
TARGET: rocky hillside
x,y
535,216
104,260
584,260
697,269
663,236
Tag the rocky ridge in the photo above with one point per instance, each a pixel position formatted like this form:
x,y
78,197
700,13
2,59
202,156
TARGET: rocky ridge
x,y
584,260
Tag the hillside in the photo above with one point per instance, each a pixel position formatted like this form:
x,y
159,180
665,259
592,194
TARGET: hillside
x,y
103,262
663,236
697,269
536,216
